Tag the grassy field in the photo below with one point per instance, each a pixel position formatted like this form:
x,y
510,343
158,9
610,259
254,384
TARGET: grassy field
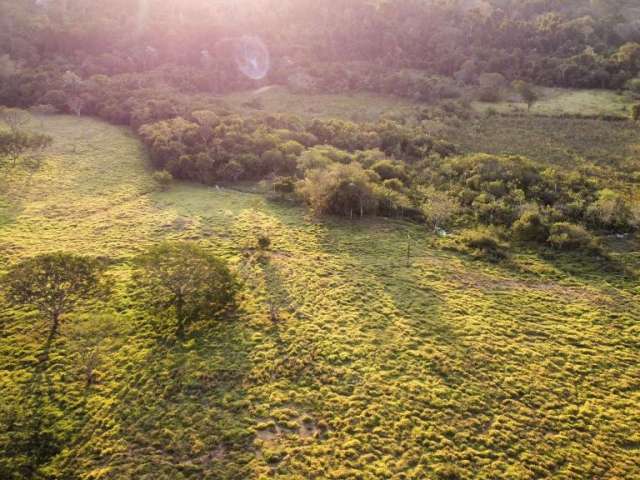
x,y
557,101
437,368
359,107
606,149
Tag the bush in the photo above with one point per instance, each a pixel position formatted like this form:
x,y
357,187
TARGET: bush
x,y
393,184
569,236
388,169
43,109
634,85
530,227
489,95
163,179
284,186
264,242
611,211
485,242
254,103
340,189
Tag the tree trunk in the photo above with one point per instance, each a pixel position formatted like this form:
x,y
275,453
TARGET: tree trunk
x,y
180,329
55,324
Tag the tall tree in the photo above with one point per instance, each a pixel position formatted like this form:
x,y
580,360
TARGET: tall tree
x,y
55,284
186,282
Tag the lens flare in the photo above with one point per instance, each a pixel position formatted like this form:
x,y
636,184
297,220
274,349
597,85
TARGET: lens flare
x,y
252,57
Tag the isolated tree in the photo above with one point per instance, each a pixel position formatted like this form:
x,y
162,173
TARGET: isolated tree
x,y
438,207
527,92
185,282
491,85
55,284
16,143
76,105
15,119
163,179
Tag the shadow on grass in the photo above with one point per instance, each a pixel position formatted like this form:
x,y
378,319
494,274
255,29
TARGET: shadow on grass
x,y
193,388
32,427
591,266
298,357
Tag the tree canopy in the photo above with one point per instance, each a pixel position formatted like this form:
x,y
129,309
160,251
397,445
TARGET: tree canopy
x,y
55,284
185,282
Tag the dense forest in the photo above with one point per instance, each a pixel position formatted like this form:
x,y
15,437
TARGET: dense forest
x,y
395,45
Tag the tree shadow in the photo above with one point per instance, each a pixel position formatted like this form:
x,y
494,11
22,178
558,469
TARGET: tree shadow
x,y
33,426
588,266
182,391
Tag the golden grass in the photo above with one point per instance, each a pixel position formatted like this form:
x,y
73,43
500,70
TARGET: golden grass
x,y
442,367
558,101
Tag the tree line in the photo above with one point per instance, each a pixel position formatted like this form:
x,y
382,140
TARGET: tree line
x,y
386,168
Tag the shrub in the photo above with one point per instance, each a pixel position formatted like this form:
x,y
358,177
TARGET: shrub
x,y
489,95
485,242
388,169
340,189
530,227
527,92
43,109
634,85
284,186
254,103
264,242
163,178
610,211
568,236
292,147
393,184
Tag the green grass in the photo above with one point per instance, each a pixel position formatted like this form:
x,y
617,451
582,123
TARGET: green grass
x,y
606,149
439,368
356,107
557,101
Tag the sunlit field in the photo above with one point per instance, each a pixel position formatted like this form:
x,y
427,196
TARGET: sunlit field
x,y
358,107
303,240
562,102
377,367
